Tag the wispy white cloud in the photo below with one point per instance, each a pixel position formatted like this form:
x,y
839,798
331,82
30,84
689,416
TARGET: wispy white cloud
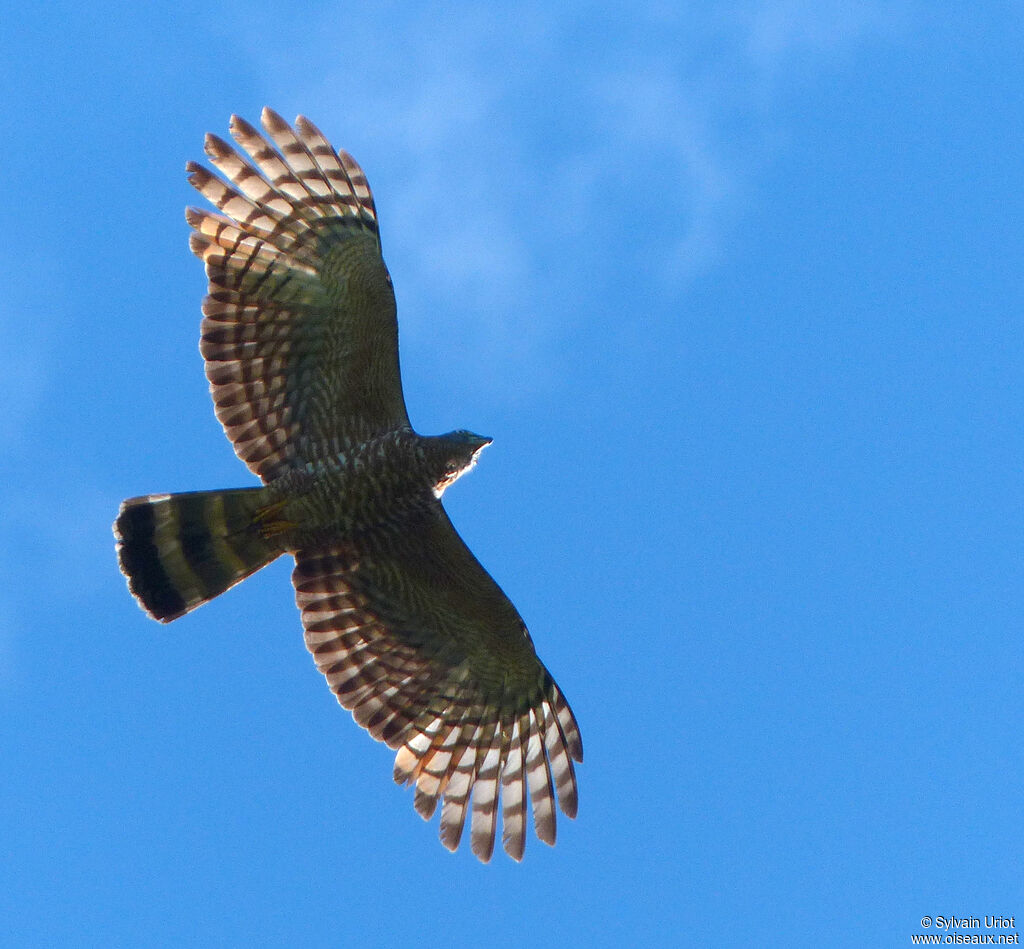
x,y
23,379
778,31
21,386
509,146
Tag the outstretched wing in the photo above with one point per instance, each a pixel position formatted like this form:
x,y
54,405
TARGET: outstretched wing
x,y
424,648
299,332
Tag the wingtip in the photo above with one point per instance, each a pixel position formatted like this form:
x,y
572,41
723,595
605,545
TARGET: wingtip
x,y
215,147
576,748
272,120
482,850
515,847
240,128
450,835
424,803
199,244
308,129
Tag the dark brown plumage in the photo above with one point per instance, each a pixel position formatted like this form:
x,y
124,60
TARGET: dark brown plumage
x,y
300,341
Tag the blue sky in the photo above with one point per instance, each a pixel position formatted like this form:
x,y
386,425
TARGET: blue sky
x,y
736,290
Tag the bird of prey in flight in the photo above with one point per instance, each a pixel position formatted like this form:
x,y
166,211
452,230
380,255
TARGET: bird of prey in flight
x,y
300,342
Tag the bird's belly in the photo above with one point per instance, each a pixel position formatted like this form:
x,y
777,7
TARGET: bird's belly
x,y
335,504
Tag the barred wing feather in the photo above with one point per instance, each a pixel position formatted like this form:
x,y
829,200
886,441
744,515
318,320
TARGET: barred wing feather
x,y
299,332
417,640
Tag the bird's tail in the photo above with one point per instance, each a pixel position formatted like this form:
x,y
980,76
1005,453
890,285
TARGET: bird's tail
x,y
180,550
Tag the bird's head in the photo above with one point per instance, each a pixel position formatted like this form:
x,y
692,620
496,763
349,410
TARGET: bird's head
x,y
455,453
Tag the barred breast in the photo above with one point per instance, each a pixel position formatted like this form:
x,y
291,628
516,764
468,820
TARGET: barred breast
x,y
368,488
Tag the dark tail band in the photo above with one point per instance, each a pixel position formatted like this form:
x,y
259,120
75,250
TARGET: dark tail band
x,y
180,550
